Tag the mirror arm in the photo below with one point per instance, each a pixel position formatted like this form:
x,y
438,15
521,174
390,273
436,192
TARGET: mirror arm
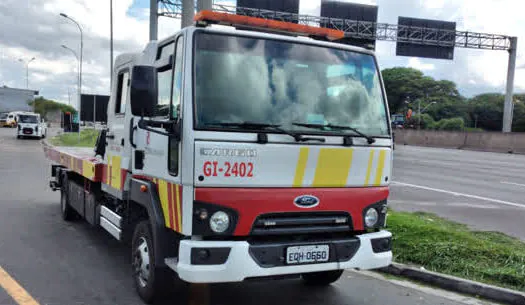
x,y
143,124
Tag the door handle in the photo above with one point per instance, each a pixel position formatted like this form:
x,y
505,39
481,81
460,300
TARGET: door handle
x,y
110,136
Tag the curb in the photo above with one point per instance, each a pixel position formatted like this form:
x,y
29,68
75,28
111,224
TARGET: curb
x,y
456,284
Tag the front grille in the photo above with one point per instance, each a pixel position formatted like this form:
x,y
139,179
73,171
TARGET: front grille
x,y
302,223
27,130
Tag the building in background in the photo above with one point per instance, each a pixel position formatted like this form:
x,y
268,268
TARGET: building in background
x,y
13,99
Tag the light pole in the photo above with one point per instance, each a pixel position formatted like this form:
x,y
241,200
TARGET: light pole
x,y
27,69
427,106
27,75
419,111
80,65
78,78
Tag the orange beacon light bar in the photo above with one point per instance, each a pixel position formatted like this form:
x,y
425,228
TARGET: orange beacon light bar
x,y
233,19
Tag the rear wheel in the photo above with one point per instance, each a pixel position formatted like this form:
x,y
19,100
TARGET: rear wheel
x,y
323,278
152,283
66,211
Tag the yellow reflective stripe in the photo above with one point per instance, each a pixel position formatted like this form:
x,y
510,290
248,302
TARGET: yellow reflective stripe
x,y
179,218
88,169
115,172
300,168
333,167
369,169
380,166
163,194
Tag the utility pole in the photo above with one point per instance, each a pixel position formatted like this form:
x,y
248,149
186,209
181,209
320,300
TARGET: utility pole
x,y
94,110
188,11
507,111
153,19
204,5
111,45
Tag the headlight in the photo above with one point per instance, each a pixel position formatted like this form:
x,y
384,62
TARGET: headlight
x,y
219,222
371,217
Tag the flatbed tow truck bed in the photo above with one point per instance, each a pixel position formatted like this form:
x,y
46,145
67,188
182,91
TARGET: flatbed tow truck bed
x,y
79,160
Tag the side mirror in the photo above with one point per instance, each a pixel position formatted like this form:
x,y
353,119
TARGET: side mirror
x,y
143,90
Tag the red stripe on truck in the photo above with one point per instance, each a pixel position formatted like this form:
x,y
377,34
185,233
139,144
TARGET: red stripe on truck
x,y
252,202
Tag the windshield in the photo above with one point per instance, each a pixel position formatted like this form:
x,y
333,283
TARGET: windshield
x,y
28,119
240,79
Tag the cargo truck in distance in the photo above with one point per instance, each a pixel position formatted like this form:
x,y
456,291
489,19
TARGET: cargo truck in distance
x,y
236,154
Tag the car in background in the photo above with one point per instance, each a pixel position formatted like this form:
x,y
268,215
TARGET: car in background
x,y
31,125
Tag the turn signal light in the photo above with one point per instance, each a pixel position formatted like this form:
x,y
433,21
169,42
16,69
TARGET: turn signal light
x,y
143,188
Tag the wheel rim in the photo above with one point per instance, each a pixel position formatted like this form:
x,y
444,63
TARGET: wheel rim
x,y
141,262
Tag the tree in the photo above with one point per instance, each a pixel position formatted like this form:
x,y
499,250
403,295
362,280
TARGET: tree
x,y
400,83
44,106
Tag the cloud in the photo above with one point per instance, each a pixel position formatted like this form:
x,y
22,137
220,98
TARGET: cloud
x,y
33,28
417,64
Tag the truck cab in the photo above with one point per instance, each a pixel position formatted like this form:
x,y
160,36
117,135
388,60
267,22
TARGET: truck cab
x,y
30,124
236,154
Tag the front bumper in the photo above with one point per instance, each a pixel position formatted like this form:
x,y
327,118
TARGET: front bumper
x,y
240,264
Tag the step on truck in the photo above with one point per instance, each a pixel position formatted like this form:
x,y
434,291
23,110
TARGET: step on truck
x,y
238,149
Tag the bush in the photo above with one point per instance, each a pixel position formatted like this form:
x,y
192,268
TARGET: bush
x,y
427,122
453,124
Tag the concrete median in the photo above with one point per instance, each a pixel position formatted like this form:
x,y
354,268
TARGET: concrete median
x,y
482,141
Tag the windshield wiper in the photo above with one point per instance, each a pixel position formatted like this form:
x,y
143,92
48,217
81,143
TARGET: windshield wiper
x,y
263,126
369,139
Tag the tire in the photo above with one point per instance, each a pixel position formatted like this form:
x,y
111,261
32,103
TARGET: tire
x,y
151,283
18,137
67,212
323,278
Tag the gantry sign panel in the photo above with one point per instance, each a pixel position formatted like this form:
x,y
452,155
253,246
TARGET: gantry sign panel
x,y
337,12
414,34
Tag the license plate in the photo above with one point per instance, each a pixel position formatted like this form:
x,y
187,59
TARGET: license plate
x,y
307,254
28,132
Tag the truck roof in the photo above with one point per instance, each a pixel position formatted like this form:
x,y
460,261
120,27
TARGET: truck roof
x,y
268,35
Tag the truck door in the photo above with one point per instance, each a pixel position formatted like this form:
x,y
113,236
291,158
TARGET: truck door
x,y
117,151
158,156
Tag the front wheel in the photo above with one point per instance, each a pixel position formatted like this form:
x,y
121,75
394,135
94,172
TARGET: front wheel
x,y
323,278
151,283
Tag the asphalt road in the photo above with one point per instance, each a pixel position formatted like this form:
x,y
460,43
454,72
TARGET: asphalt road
x,y
481,189
44,260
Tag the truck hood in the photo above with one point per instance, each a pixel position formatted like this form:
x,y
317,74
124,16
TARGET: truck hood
x,y
284,165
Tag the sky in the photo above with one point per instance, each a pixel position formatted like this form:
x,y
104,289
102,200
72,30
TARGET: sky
x,y
33,28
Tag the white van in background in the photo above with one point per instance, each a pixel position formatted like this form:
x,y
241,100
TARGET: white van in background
x,y
30,125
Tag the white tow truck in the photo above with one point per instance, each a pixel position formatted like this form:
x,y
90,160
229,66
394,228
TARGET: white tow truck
x,y
30,124
239,154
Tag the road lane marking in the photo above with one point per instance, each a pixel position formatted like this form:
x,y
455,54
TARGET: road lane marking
x,y
19,294
460,194
512,183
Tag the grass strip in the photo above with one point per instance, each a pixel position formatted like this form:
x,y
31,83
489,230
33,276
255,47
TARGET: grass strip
x,y
88,137
451,248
